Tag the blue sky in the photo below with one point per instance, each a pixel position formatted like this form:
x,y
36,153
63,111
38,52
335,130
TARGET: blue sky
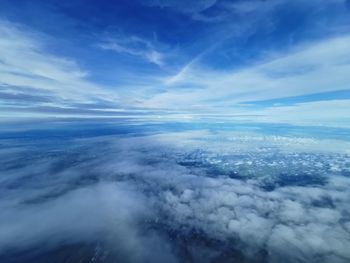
x,y
275,61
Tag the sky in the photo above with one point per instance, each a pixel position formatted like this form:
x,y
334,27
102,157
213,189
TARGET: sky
x,y
180,130
273,61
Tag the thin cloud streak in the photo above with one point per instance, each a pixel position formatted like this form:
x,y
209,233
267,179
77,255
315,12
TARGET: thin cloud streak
x,y
135,46
32,78
26,65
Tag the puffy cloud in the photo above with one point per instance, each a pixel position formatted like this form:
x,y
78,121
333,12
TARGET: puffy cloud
x,y
127,191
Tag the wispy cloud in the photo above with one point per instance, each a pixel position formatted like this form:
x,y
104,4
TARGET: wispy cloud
x,y
317,67
224,10
34,79
183,5
31,76
319,113
135,46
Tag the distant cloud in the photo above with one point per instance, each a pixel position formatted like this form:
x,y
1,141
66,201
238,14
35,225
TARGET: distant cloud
x,y
319,113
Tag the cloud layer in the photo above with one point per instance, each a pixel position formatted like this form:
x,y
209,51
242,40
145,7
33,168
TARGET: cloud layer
x,y
234,197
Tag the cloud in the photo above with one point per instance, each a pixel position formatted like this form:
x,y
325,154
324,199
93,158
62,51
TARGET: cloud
x,y
109,211
36,83
182,6
136,47
31,75
135,189
311,69
320,113
314,68
252,11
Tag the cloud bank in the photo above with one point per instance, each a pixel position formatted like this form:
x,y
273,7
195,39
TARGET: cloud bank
x,y
257,199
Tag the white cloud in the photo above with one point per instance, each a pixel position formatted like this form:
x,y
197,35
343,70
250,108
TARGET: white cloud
x,y
135,46
315,68
29,72
107,210
27,68
318,67
321,113
142,184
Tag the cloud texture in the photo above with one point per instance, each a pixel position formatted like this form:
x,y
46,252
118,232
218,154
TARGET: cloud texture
x,y
208,199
